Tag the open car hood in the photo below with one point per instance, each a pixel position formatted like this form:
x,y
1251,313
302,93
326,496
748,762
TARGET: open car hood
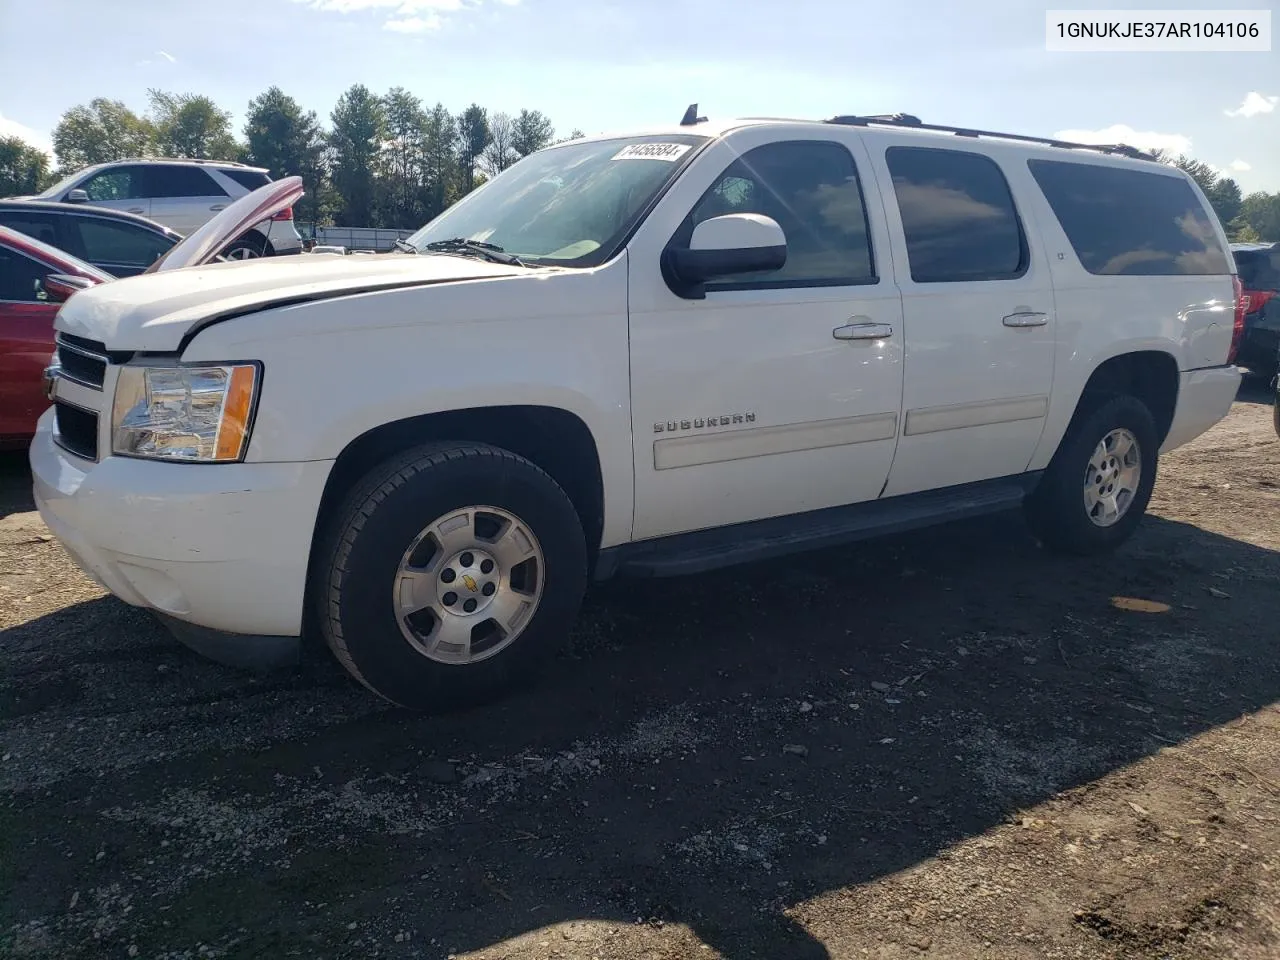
x,y
203,244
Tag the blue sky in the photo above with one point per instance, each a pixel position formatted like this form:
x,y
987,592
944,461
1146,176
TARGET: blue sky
x,y
612,64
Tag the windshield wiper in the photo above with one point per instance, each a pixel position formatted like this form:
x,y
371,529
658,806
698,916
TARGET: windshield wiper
x,y
405,246
476,248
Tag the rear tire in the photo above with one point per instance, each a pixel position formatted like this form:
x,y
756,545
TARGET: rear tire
x,y
1097,486
449,575
249,247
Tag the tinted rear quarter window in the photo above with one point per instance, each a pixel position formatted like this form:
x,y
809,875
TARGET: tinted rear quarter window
x,y
1124,222
957,214
249,179
165,181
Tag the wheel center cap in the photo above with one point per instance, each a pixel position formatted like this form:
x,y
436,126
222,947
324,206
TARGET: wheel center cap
x,y
468,582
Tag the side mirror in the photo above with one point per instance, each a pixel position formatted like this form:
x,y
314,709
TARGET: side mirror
x,y
77,196
724,246
58,287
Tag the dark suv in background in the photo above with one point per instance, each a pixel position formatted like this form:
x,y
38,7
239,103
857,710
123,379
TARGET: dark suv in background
x,y
1259,267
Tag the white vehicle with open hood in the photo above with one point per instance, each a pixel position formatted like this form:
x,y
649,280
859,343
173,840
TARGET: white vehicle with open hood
x,y
645,355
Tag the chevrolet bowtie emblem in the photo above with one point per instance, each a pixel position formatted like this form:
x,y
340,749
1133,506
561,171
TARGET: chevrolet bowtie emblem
x,y
470,582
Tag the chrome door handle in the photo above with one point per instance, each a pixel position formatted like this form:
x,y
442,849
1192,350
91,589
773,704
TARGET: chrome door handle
x,y
863,331
1026,318
218,206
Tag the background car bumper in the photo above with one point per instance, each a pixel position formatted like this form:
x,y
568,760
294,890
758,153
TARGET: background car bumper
x,y
1204,397
223,547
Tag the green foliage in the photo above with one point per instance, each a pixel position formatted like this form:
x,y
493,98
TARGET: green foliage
x,y
533,131
359,127
23,168
288,141
98,132
1261,212
191,125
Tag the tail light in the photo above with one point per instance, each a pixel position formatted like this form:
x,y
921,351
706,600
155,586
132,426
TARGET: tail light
x,y
285,214
1237,330
1255,300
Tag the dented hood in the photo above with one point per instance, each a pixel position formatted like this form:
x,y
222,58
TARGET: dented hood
x,y
156,311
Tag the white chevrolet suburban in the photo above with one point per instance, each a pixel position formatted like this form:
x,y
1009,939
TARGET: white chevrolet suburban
x,y
648,355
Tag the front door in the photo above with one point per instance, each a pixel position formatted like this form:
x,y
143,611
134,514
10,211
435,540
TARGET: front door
x,y
779,392
978,312
26,343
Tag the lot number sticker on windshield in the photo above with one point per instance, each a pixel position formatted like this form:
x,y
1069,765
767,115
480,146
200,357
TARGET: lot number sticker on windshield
x,y
653,151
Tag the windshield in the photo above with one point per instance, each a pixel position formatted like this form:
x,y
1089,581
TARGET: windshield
x,y
571,205
61,185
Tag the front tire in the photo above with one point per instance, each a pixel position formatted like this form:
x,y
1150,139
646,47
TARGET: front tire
x,y
1098,484
450,574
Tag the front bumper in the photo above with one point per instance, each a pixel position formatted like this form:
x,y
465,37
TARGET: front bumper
x,y
1204,397
223,547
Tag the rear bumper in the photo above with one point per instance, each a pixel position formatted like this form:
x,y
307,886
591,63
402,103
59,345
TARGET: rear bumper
x,y
1204,397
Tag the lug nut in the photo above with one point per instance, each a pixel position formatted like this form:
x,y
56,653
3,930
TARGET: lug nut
x,y
448,576
466,559
486,566
450,598
488,589
469,606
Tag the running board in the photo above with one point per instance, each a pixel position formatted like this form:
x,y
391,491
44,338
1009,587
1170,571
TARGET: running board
x,y
702,550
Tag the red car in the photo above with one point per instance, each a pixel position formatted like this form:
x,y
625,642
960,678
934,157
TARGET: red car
x,y
29,298
36,278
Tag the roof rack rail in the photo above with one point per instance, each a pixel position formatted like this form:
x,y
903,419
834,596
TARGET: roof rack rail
x,y
907,120
214,163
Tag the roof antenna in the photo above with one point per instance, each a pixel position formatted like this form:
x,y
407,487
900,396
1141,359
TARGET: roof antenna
x,y
691,117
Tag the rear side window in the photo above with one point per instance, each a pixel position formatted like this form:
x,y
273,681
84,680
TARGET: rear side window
x,y
957,214
1259,269
165,181
249,179
109,242
1131,223
40,226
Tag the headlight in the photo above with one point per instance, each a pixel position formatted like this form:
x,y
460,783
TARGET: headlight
x,y
185,413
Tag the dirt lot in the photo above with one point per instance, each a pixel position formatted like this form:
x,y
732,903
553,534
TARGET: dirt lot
x,y
945,744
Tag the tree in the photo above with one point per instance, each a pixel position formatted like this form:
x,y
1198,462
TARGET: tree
x,y
23,168
191,125
474,137
1261,211
574,134
359,126
501,152
288,142
533,131
101,131
440,166
403,159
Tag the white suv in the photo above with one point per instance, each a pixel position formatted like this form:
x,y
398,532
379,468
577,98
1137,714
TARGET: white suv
x,y
182,195
645,355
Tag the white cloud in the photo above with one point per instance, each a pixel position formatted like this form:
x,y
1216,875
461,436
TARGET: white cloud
x,y
1122,133
1239,166
1254,103
414,24
12,128
403,16
159,57
168,56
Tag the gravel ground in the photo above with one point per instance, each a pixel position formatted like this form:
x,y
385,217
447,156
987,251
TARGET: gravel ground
x,y
944,744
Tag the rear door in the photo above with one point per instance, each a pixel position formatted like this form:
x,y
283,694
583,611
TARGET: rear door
x,y
183,197
978,312
26,342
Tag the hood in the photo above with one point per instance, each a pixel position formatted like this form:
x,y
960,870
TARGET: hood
x,y
204,243
155,311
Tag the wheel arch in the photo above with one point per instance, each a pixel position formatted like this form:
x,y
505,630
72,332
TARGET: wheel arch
x,y
1151,376
556,440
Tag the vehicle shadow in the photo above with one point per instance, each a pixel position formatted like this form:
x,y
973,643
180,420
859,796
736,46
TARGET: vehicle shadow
x,y
15,483
713,752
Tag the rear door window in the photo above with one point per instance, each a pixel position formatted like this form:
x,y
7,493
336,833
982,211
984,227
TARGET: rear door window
x,y
166,181
1133,223
958,216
